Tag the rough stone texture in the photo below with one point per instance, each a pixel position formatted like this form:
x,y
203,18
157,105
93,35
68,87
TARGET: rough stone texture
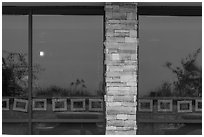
x,y
121,67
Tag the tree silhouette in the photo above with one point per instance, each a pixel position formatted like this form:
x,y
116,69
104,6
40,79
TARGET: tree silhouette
x,y
189,76
188,79
164,90
15,74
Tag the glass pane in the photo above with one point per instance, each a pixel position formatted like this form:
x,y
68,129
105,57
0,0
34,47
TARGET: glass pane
x,y
68,52
14,67
166,39
170,74
68,58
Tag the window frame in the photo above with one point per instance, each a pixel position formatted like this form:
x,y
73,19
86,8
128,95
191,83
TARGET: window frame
x,y
86,10
170,10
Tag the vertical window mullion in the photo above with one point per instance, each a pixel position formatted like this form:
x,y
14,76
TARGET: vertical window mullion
x,y
104,69
30,26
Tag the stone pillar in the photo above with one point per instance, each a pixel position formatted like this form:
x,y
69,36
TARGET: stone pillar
x,y
121,67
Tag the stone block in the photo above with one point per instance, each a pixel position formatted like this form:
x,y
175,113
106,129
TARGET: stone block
x,y
123,22
128,78
113,74
115,39
135,98
113,104
129,22
116,84
124,128
134,57
132,16
121,34
112,51
108,57
120,110
115,57
127,9
116,8
131,84
113,21
109,98
125,89
133,33
130,132
125,57
121,93
121,116
109,34
111,128
112,88
127,52
130,123
123,98
119,15
110,117
129,104
120,26
131,117
122,31
108,14
108,6
117,123
111,78
114,68
111,132
114,92
130,40
112,44
128,46
129,69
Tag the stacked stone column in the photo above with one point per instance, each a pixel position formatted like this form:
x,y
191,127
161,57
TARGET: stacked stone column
x,y
121,67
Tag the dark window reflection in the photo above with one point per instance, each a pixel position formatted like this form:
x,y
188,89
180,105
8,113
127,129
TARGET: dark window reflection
x,y
165,46
170,75
14,73
68,57
67,62
69,52
15,55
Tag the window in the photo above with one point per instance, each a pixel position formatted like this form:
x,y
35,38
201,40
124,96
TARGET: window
x,y
63,52
166,39
69,60
170,73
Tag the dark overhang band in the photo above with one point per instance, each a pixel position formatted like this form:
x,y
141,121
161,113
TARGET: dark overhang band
x,y
99,10
53,10
170,10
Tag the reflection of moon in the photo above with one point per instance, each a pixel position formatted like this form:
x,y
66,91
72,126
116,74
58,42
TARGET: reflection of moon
x,y
42,53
